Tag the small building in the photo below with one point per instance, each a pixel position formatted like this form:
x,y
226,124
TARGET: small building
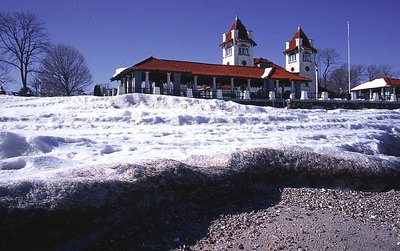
x,y
378,89
239,76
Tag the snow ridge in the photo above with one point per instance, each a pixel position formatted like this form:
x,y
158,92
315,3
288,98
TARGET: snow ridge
x,y
51,138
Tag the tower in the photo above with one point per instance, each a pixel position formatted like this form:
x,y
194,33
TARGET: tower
x,y
300,58
237,45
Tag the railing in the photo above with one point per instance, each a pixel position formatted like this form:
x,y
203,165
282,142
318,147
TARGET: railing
x,y
228,94
385,97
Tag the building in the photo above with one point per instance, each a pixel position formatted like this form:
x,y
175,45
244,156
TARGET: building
x,y
237,45
377,89
300,58
239,76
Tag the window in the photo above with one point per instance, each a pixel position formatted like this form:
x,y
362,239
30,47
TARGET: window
x,y
228,52
244,63
307,68
292,58
307,57
244,51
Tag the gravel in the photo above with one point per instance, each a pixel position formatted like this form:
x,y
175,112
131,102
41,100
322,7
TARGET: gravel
x,y
311,219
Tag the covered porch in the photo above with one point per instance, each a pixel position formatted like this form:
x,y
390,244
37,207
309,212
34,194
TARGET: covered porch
x,y
199,80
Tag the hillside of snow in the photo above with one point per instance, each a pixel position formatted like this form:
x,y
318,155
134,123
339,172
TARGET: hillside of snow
x,y
49,145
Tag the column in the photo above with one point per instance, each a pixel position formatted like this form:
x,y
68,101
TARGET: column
x,y
177,84
214,89
121,87
232,88
168,91
147,83
138,81
246,93
133,83
292,91
277,90
128,84
168,78
214,84
195,83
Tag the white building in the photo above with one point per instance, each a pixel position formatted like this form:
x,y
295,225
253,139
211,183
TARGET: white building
x,y
300,58
378,89
237,45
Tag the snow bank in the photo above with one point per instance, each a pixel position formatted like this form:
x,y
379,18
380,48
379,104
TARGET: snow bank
x,y
55,148
157,180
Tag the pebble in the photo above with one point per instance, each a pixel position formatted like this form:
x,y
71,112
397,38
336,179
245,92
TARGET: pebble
x,y
378,209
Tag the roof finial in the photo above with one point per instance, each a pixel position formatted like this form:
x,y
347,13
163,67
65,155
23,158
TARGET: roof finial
x,y
299,27
236,18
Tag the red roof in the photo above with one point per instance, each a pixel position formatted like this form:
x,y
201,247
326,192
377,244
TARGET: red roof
x,y
264,61
393,81
215,70
305,44
278,72
242,33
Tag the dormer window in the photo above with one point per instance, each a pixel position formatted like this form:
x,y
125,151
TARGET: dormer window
x,y
228,52
292,58
244,51
306,57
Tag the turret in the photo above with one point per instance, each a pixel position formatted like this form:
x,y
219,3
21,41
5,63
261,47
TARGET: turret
x,y
300,57
237,45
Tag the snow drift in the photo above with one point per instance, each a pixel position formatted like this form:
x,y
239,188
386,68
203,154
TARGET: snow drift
x,y
86,152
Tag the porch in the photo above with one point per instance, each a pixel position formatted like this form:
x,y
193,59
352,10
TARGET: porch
x,y
205,86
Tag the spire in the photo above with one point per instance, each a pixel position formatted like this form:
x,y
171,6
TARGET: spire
x,y
305,41
241,31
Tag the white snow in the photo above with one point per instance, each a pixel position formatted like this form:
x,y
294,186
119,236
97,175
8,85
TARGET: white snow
x,y
50,138
119,70
373,84
267,71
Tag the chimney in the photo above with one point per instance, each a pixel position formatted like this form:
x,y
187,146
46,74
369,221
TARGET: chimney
x,y
287,44
223,38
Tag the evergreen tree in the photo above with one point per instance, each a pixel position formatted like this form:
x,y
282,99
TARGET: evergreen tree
x,y
97,91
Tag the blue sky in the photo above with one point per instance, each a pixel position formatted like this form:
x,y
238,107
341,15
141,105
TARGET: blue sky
x,y
113,34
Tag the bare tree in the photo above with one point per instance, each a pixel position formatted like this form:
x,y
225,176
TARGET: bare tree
x,y
4,74
35,87
327,57
22,40
64,72
380,71
338,79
